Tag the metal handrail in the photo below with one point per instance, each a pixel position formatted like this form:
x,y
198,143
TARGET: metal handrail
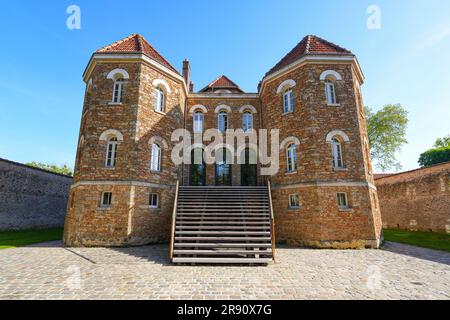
x,y
174,219
272,219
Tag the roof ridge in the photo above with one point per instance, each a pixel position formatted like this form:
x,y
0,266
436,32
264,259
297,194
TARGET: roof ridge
x,y
308,43
331,43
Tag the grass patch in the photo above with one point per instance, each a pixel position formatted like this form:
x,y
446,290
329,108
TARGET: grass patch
x,y
13,239
430,240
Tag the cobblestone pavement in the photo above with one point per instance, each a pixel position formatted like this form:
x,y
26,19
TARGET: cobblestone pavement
x,y
49,271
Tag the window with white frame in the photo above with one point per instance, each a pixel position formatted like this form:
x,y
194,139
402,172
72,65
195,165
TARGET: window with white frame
x,y
106,199
294,201
155,162
288,101
291,153
118,90
223,121
342,200
153,200
247,121
330,92
111,153
336,148
159,100
198,121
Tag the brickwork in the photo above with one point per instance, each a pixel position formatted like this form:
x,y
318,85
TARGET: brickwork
x,y
318,222
417,200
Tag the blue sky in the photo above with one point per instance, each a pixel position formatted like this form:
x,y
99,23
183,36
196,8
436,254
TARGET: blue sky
x,y
42,61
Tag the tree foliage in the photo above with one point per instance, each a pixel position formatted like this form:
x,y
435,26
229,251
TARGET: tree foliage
x,y
442,142
435,156
64,169
387,135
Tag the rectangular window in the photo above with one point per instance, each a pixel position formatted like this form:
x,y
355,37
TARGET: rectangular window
x,y
247,121
294,201
111,154
155,163
159,100
118,88
106,199
153,200
330,93
223,122
288,101
342,200
198,122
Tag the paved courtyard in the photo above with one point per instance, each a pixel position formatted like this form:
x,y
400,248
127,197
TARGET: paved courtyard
x,y
49,271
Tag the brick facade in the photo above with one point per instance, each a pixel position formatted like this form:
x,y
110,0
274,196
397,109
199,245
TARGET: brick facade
x,y
417,200
129,220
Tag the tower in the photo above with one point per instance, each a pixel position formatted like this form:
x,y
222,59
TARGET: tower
x,y
324,192
124,180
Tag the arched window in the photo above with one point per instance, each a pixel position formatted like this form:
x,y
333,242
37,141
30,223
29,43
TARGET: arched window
x,y
291,156
288,100
159,100
223,121
111,153
118,90
247,121
198,121
155,161
338,162
330,92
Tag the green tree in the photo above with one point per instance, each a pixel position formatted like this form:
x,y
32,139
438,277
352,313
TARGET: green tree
x,y
442,142
64,169
387,135
434,156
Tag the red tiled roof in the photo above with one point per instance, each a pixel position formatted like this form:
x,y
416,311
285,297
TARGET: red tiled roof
x,y
136,44
222,82
310,45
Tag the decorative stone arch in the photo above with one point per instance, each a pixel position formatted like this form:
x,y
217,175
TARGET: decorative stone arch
x,y
330,74
116,73
223,107
338,133
286,84
222,91
198,107
110,133
159,141
160,83
250,108
288,141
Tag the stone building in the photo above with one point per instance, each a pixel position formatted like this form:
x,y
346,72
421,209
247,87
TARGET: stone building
x,y
416,200
124,189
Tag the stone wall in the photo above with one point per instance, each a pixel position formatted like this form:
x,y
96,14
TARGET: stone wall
x,y
417,200
31,198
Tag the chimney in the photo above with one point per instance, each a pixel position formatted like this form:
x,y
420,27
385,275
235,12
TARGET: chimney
x,y
187,72
191,87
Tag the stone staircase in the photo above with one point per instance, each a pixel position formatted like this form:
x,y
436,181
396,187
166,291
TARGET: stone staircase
x,y
227,225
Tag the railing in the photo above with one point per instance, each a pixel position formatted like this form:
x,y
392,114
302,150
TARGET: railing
x,y
174,219
272,219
